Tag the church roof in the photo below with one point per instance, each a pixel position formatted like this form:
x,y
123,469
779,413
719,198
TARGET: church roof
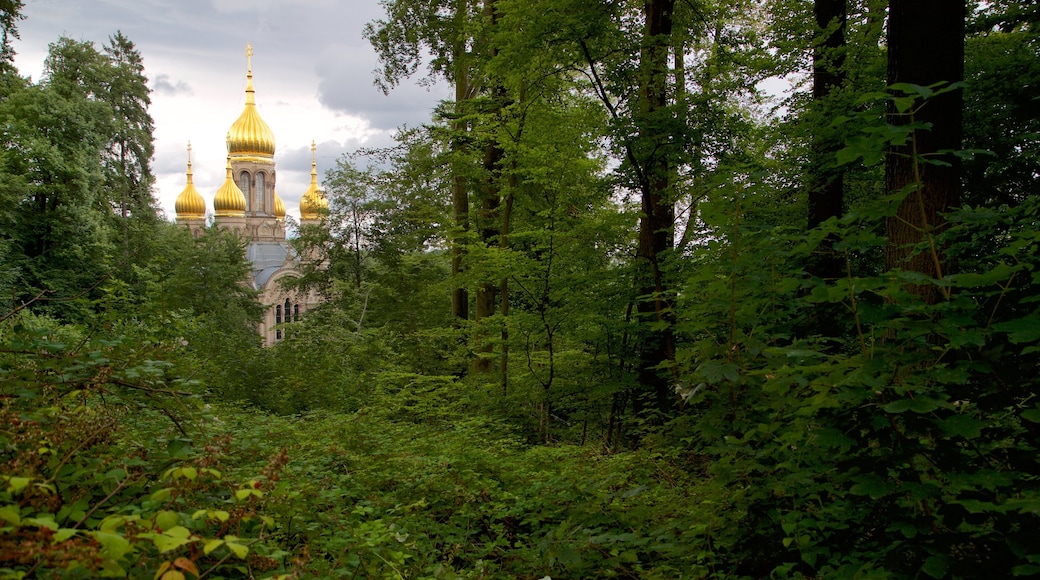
x,y
267,259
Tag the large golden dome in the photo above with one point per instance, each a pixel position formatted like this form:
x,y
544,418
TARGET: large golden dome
x,y
229,200
190,203
250,136
313,203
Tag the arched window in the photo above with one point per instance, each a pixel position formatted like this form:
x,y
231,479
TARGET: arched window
x,y
260,191
278,320
296,312
243,182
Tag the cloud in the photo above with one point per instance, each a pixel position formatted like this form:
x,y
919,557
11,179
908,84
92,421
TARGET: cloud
x,y
347,83
161,84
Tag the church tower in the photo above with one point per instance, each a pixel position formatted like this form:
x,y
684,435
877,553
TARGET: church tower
x,y
251,145
190,205
313,203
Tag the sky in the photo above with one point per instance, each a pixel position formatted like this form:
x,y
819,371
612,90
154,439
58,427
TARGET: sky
x,y
312,70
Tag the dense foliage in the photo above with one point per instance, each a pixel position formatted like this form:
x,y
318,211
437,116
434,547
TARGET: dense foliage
x,y
615,312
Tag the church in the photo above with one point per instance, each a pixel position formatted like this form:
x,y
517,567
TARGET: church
x,y
248,205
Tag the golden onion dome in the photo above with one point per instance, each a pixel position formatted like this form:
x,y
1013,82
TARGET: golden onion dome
x,y
190,203
313,202
229,200
249,135
279,207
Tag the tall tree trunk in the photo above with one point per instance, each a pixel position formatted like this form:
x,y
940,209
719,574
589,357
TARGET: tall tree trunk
x,y
925,46
488,228
507,214
488,224
826,184
657,222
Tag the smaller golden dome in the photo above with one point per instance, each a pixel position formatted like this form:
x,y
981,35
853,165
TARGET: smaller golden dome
x,y
249,135
279,207
190,203
229,200
313,203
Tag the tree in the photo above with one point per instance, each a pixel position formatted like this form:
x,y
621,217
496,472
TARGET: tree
x,y
443,27
922,169
128,155
1002,67
826,188
52,158
10,14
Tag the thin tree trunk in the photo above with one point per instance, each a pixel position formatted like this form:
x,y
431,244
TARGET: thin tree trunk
x,y
459,193
507,213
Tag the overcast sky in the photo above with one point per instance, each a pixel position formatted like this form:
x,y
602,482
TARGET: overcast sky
x,y
311,68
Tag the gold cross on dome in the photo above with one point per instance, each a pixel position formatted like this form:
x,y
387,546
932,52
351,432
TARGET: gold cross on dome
x,y
249,55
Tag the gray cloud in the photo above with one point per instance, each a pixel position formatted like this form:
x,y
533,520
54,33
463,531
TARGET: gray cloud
x,y
161,84
347,84
319,36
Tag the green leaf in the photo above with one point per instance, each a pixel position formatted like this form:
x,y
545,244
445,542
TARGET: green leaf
x,y
998,273
236,548
906,528
212,545
1032,415
873,486
11,514
113,546
111,569
166,519
911,89
903,104
172,539
936,566
162,494
64,534
246,492
962,426
1021,330
918,405
43,521
17,484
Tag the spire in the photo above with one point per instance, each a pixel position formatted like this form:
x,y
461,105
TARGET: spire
x,y
314,163
250,91
189,162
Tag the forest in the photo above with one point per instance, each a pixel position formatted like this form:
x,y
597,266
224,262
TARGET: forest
x,y
618,310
